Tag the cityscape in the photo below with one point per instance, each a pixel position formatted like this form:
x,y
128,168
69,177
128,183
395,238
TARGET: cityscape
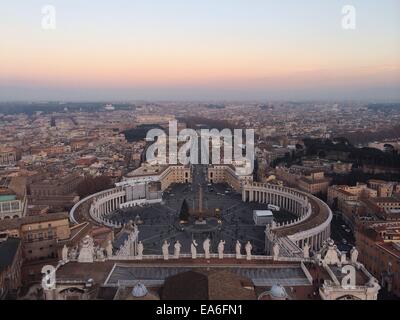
x,y
148,195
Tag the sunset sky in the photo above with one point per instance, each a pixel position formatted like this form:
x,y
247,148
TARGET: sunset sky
x,y
209,49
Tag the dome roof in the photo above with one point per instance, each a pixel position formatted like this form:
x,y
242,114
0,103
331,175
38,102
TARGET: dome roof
x,y
278,292
139,291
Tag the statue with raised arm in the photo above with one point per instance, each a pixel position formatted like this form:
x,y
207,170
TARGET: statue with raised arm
x,y
221,248
73,253
193,249
109,249
276,250
140,249
354,255
87,252
248,249
343,258
100,254
177,249
165,250
238,249
306,251
64,253
206,247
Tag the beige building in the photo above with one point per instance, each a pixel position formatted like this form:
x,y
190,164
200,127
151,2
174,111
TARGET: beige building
x,y
311,181
165,174
384,188
57,186
385,208
338,194
314,183
154,118
379,246
227,174
8,156
13,199
351,209
39,234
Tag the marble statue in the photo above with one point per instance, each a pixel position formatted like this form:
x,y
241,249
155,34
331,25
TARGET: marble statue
x,y
87,250
206,247
177,249
276,250
73,254
64,253
193,249
306,251
109,249
140,249
354,255
238,249
165,250
221,248
343,258
332,255
100,253
389,268
373,283
248,249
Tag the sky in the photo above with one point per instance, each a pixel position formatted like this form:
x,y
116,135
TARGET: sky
x,y
199,50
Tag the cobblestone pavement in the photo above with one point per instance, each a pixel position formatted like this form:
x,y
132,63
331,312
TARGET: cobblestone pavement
x,y
160,222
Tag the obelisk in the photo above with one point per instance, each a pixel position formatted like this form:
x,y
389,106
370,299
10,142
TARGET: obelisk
x,y
200,202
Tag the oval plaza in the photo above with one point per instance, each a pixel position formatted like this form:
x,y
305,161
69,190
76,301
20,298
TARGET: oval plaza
x,y
154,194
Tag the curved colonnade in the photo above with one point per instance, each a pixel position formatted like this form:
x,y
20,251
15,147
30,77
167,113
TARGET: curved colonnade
x,y
101,204
312,225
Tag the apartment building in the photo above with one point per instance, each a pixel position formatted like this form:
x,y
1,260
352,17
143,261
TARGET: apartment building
x,y
308,180
384,188
338,194
39,234
379,247
10,266
13,198
8,156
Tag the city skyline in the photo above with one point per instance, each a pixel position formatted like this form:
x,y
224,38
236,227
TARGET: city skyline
x,y
200,151
200,51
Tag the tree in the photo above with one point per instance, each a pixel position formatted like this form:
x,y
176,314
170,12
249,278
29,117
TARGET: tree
x,y
184,213
90,185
